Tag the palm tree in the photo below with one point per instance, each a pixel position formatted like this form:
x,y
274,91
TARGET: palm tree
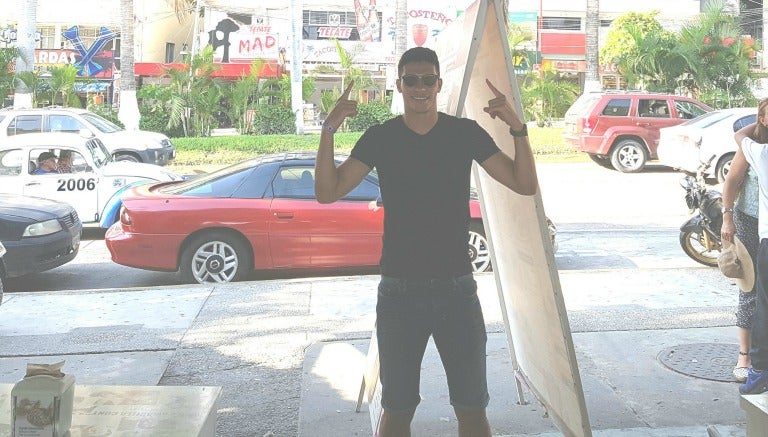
x,y
592,27
22,97
35,83
62,83
182,8
129,107
7,58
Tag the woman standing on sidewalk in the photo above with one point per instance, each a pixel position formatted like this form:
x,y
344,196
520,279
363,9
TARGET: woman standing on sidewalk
x,y
740,216
756,155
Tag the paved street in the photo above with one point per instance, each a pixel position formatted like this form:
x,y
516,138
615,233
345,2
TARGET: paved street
x,y
581,199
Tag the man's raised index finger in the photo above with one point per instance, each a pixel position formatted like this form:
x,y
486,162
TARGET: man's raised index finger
x,y
345,94
493,88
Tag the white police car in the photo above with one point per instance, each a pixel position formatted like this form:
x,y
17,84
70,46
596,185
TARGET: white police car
x,y
82,174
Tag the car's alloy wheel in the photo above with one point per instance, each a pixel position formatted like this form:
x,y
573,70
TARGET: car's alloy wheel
x,y
693,245
628,156
215,257
479,252
723,167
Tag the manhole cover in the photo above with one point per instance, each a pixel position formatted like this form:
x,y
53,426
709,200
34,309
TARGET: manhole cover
x,y
713,361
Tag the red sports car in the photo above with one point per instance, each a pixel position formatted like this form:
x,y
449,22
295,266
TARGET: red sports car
x,y
260,214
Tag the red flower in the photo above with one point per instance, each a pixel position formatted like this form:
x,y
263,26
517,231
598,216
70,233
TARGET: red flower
x,y
728,41
707,40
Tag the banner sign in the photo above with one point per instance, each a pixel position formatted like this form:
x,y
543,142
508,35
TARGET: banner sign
x,y
368,25
45,59
426,19
239,43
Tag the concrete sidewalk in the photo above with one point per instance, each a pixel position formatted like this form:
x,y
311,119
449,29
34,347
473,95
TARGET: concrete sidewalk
x,y
288,353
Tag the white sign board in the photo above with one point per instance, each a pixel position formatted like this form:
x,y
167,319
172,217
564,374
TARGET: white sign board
x,y
528,284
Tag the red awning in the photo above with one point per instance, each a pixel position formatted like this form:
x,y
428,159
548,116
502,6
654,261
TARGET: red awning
x,y
563,42
268,69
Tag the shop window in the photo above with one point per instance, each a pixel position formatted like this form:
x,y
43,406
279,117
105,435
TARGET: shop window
x,y
170,52
47,37
561,23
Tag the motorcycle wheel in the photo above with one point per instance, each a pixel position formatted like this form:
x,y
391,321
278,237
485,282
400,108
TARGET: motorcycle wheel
x,y
693,246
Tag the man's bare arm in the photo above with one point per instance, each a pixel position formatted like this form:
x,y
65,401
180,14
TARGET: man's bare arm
x,y
517,174
734,180
331,183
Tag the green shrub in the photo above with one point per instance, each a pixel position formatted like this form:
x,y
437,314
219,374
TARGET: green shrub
x,y
547,143
369,114
106,112
263,144
157,121
273,119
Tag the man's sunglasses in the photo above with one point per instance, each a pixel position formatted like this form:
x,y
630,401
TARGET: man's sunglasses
x,y
428,80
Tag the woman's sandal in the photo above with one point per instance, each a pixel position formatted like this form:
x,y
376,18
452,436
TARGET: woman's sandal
x,y
740,373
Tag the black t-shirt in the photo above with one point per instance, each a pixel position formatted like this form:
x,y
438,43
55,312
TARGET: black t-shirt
x,y
425,182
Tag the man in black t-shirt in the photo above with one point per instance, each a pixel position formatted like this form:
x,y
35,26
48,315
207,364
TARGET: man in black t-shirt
x,y
424,159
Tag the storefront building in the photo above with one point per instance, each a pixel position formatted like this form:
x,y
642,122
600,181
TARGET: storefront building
x,y
85,33
559,26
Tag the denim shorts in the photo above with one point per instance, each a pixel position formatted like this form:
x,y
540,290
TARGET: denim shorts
x,y
408,311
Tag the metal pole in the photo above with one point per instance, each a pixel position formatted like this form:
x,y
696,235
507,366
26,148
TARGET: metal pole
x,y
763,57
195,30
297,103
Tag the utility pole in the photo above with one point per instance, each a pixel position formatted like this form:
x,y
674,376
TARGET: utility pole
x,y
763,57
195,31
297,102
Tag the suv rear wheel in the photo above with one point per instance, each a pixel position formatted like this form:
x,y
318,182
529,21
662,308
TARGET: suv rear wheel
x,y
628,156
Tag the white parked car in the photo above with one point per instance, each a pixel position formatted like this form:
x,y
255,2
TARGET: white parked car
x,y
91,181
123,145
687,145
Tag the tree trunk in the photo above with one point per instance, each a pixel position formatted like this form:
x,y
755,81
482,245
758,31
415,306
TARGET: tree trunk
x,y
25,42
592,28
129,108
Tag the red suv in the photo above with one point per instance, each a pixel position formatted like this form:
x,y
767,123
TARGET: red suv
x,y
621,129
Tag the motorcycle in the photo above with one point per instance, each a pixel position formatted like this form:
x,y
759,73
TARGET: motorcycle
x,y
700,235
